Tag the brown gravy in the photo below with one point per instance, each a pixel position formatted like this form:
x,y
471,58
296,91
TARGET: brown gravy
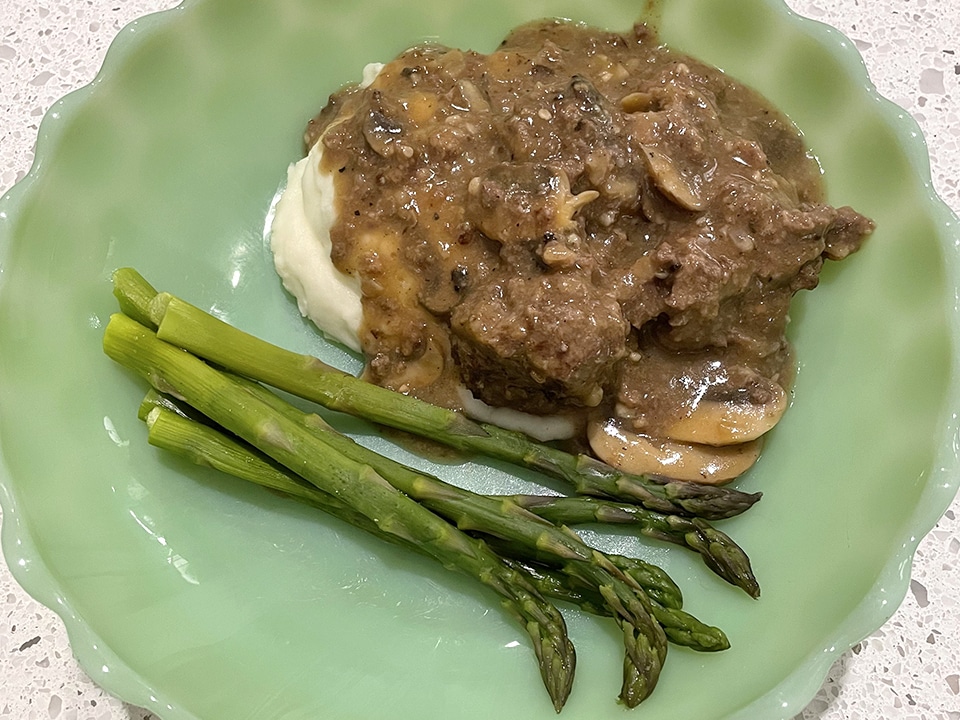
x,y
581,221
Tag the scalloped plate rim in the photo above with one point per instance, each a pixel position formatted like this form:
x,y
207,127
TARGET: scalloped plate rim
x,y
796,691
26,565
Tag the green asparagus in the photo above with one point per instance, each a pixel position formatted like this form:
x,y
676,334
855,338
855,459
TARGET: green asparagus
x,y
169,369
597,582
188,327
494,515
720,553
499,517
171,430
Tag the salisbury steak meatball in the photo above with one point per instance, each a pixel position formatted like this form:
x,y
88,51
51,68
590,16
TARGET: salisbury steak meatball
x,y
538,343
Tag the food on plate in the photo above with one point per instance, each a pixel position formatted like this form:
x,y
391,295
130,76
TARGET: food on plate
x,y
581,236
520,546
306,377
585,231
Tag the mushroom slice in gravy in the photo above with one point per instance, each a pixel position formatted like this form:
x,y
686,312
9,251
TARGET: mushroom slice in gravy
x,y
645,455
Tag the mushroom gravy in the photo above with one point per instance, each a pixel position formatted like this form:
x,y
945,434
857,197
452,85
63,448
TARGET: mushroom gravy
x,y
581,222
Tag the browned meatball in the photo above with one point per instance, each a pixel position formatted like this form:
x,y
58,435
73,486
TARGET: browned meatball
x,y
538,343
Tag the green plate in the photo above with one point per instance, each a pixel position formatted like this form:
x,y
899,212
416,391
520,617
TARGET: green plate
x,y
198,598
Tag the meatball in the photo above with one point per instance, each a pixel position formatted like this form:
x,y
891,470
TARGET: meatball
x,y
538,343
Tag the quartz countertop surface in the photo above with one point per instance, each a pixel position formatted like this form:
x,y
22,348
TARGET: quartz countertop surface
x,y
909,669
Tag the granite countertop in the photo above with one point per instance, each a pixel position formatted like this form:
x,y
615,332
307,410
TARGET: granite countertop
x,y
907,670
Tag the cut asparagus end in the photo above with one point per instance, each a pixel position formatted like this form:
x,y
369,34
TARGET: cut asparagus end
x,y
134,295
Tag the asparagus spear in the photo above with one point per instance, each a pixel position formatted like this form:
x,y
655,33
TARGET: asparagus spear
x,y
680,627
556,585
134,294
540,541
218,397
623,592
720,553
132,344
189,327
170,429
494,515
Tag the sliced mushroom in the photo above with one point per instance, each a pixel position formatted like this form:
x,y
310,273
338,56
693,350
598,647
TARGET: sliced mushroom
x,y
472,97
424,370
572,204
645,455
671,182
731,420
641,101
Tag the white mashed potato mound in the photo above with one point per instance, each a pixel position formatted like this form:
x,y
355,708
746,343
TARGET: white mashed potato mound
x,y
301,245
300,240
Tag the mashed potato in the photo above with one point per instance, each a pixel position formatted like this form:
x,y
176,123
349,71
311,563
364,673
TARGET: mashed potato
x,y
300,240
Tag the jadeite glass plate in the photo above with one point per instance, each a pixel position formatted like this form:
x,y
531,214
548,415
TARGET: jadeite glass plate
x,y
198,598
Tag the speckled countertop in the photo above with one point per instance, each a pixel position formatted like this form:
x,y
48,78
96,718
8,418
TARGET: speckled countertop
x,y
907,670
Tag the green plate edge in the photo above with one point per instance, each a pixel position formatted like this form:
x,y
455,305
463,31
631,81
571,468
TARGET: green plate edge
x,y
19,549
27,566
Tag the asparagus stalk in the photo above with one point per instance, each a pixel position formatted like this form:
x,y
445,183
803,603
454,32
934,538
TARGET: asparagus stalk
x,y
623,592
134,295
540,541
497,516
169,369
680,627
209,338
154,399
556,585
720,553
132,344
171,429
